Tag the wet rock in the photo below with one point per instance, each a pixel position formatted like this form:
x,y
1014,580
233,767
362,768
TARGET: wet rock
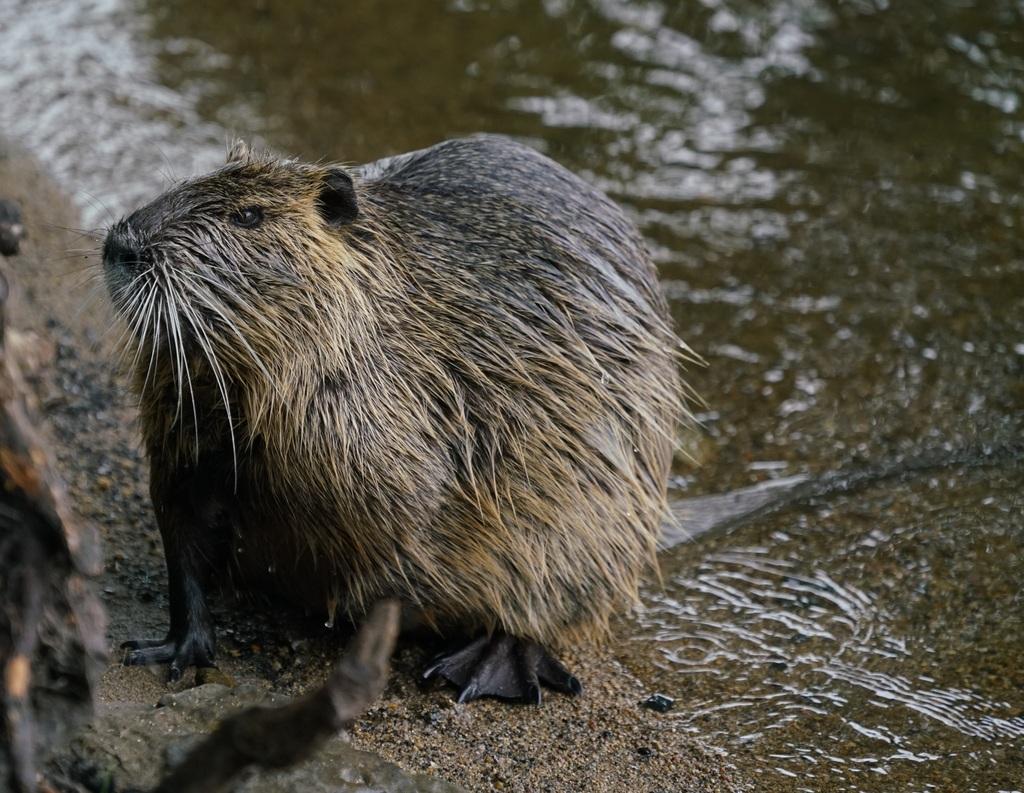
x,y
211,674
658,702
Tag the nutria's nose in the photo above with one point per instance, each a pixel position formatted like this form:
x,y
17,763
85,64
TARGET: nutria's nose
x,y
121,250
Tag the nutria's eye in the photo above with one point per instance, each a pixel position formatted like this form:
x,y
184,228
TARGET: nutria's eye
x,y
247,218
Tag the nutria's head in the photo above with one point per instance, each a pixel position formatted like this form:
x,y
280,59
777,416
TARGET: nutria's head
x,y
227,267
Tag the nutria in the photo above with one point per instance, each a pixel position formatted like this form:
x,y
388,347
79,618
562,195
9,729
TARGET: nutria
x,y
447,377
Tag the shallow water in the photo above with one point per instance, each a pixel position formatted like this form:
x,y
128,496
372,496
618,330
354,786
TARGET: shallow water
x,y
833,194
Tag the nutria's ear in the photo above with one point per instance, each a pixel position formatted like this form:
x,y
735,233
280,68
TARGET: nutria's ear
x,y
238,152
337,201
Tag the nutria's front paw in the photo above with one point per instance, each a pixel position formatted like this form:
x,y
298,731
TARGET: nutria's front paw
x,y
505,667
190,648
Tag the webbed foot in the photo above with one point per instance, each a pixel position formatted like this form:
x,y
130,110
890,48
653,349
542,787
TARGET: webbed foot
x,y
194,648
505,667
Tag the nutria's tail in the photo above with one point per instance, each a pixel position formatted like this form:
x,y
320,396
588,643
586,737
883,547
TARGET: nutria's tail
x,y
691,517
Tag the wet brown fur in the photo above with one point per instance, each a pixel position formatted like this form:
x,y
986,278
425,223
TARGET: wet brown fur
x,y
465,397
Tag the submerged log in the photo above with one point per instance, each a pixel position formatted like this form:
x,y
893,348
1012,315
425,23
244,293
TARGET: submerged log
x,y
52,646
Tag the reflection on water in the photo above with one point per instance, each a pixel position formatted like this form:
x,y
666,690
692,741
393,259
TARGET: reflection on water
x,y
832,192
79,89
870,644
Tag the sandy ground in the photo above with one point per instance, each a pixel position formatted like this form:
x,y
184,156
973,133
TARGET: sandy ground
x,y
602,741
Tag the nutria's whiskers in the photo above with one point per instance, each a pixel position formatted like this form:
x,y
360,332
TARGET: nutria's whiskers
x,y
180,355
207,348
135,307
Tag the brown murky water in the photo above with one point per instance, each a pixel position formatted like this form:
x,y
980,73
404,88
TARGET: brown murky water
x,y
833,194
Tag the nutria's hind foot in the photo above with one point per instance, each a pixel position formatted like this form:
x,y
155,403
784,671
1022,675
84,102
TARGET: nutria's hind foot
x,y
194,648
503,666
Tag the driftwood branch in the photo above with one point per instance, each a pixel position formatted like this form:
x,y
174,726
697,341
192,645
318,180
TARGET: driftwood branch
x,y
283,736
51,624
